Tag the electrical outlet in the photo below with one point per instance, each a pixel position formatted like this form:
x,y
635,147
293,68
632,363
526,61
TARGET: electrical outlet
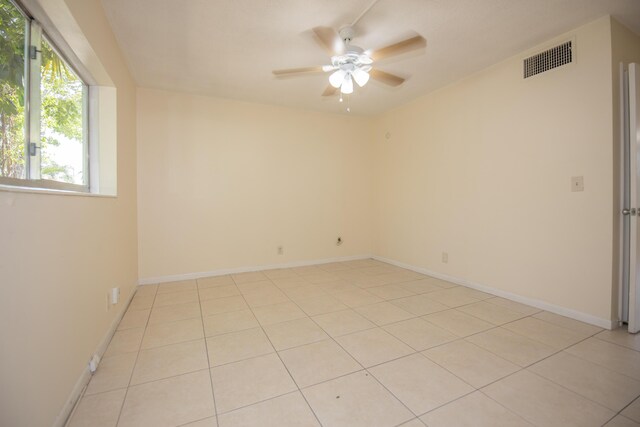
x,y
280,250
445,257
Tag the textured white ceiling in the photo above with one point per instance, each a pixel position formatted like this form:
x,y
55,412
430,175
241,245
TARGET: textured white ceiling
x,y
227,48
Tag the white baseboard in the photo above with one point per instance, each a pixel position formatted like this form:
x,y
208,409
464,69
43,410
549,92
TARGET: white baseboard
x,y
223,272
83,381
563,311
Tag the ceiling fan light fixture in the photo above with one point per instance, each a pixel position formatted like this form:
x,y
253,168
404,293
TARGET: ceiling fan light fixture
x,y
350,62
336,79
347,85
365,59
360,76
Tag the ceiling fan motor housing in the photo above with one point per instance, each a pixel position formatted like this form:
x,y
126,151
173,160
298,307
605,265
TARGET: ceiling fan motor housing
x,y
351,56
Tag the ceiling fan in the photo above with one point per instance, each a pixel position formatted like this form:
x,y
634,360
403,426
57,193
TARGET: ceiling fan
x,y
351,63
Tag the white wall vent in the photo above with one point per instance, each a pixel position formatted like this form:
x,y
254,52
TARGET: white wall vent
x,y
548,60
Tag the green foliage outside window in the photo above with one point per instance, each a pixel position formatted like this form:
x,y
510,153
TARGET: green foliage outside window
x,y
61,92
61,108
12,35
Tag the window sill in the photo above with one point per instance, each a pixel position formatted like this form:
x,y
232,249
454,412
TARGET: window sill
x,y
35,190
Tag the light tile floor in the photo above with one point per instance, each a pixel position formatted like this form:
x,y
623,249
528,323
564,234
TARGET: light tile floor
x,y
358,343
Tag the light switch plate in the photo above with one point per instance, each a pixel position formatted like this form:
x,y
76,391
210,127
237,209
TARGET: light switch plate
x,y
577,183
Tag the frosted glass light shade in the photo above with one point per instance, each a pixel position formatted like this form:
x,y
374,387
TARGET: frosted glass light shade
x,y
361,77
347,85
336,79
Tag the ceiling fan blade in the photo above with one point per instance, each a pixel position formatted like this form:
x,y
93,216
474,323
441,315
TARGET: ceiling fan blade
x,y
386,78
413,43
302,70
329,91
329,40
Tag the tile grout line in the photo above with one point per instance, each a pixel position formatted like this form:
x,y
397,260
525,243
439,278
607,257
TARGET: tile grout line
x,y
629,404
575,392
582,358
257,403
150,308
520,368
206,349
480,389
126,393
613,343
150,381
505,407
354,308
522,335
420,352
351,308
166,345
396,397
463,338
85,388
282,361
526,368
381,327
365,368
343,349
475,390
352,282
453,373
509,409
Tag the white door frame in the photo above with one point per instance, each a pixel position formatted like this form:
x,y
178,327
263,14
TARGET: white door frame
x,y
634,241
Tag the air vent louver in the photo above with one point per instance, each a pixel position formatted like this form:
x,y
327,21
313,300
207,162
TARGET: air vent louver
x,y
548,60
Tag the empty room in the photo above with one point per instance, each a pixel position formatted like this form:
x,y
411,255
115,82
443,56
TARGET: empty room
x,y
291,213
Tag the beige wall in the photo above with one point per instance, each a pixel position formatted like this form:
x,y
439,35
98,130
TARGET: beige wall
x,y
481,170
222,184
58,257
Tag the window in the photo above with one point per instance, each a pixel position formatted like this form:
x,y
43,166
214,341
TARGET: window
x,y
43,109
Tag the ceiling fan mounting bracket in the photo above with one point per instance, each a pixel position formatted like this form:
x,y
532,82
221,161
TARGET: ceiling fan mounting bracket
x,y
347,33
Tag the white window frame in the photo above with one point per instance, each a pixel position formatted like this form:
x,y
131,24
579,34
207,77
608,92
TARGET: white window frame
x,y
33,39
